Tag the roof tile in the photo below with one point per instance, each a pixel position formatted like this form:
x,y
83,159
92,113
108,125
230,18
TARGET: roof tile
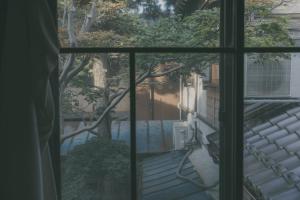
x,y
272,157
293,111
287,121
284,141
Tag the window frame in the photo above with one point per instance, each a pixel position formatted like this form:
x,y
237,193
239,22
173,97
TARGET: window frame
x,y
231,74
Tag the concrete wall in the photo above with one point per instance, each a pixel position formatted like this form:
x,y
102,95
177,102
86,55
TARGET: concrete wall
x,y
201,99
295,75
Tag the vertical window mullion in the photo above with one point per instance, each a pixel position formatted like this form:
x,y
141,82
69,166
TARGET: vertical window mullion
x,y
239,98
227,127
132,127
228,178
238,116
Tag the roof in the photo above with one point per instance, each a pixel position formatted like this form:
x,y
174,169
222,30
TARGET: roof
x,y
272,156
159,180
271,150
154,136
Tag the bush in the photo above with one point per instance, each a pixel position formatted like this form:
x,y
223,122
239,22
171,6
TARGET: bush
x,y
93,171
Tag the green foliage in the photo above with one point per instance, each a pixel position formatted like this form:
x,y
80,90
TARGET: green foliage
x,y
192,62
262,29
261,58
199,29
117,25
82,84
86,167
104,39
68,102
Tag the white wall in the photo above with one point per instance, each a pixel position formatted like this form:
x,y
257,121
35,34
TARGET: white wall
x,y
188,98
295,75
201,99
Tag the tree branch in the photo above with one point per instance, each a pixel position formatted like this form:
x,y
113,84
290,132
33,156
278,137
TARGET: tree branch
x,y
280,4
89,19
110,106
66,68
116,100
70,61
72,39
71,28
76,70
65,13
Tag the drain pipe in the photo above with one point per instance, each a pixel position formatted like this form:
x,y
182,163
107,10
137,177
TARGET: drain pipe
x,y
180,97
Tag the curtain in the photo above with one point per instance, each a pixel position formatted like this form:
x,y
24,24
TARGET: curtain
x,y
29,51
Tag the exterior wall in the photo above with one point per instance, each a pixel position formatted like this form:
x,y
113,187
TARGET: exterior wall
x,y
99,73
292,10
261,78
213,105
271,79
188,100
204,100
201,99
215,74
208,100
165,101
295,73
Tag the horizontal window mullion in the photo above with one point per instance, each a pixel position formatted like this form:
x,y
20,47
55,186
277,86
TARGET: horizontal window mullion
x,y
182,50
271,49
147,50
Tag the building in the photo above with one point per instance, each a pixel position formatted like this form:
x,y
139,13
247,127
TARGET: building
x,y
277,78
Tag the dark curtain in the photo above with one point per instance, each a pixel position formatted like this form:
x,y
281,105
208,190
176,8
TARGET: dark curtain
x,y
29,51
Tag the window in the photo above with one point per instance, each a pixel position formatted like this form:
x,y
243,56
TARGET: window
x,y
172,99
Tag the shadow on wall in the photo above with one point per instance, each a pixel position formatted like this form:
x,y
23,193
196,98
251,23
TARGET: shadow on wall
x,y
163,106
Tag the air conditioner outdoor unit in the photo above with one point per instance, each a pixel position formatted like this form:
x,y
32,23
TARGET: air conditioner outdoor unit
x,y
273,79
180,135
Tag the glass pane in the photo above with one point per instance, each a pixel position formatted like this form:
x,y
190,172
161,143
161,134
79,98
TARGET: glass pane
x,y
272,126
177,127
95,163
138,23
272,23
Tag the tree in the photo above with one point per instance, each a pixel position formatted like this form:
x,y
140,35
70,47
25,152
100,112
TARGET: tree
x,y
109,23
262,29
100,170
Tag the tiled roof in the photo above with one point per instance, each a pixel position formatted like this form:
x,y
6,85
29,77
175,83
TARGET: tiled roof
x,y
271,150
159,180
272,157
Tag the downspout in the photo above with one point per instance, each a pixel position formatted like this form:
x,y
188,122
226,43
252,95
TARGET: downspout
x,y
196,93
180,98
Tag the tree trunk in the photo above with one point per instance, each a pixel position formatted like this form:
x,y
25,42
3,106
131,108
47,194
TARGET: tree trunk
x,y
105,126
